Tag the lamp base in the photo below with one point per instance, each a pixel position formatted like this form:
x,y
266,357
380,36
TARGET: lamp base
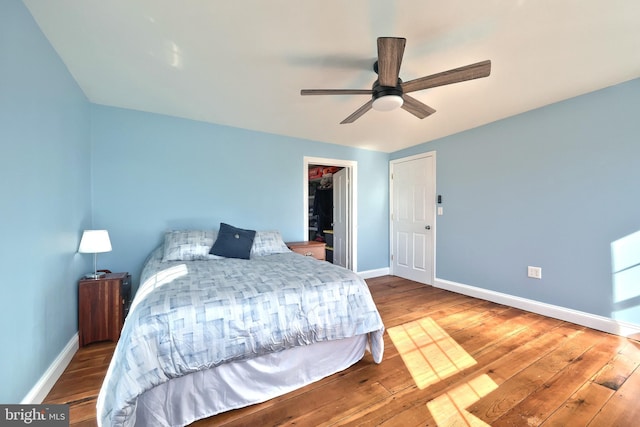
x,y
93,276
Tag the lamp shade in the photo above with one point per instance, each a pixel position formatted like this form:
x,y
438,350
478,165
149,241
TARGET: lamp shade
x,y
95,241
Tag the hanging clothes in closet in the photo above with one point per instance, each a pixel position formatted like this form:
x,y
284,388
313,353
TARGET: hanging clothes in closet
x,y
323,207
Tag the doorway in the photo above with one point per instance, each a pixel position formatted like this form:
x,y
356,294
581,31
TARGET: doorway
x,y
344,208
413,202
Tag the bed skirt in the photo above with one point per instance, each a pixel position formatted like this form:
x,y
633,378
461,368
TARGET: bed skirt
x,y
234,385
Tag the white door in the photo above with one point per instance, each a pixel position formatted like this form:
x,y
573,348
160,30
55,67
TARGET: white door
x,y
340,218
413,217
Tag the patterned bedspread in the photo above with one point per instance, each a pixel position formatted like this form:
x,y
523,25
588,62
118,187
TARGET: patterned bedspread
x,y
195,315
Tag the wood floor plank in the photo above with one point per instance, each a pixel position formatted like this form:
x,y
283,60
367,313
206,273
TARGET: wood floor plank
x,y
495,365
467,314
626,360
542,403
581,408
518,387
83,413
622,409
415,305
84,375
490,328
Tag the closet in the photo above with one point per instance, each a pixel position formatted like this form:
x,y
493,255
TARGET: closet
x,y
321,205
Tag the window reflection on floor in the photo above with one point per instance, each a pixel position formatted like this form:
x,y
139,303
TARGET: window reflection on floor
x,y
429,352
449,408
431,355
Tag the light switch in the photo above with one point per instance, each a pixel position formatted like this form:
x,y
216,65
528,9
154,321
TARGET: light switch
x,y
440,210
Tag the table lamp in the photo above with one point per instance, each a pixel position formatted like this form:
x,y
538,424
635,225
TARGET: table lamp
x,y
94,242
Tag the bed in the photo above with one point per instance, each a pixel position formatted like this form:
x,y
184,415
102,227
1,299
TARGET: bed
x,y
207,333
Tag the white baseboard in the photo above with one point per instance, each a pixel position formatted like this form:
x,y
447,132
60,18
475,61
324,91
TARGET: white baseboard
x,y
592,321
46,382
369,274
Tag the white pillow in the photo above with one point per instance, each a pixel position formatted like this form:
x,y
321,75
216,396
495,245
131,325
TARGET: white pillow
x,y
267,243
189,245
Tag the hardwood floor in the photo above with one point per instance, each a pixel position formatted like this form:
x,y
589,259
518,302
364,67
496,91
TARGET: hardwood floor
x,y
449,360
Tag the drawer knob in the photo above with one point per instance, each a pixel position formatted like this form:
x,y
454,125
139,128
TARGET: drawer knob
x,y
308,254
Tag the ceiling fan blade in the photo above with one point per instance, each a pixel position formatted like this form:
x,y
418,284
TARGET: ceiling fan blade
x,y
456,75
416,107
390,51
336,92
359,112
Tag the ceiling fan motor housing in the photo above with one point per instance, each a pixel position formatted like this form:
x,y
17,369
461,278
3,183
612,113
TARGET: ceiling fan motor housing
x,y
386,98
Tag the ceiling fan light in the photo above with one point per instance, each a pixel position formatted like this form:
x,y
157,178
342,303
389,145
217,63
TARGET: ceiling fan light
x,y
387,103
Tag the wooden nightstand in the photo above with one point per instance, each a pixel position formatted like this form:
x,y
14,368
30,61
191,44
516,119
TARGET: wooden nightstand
x,y
102,306
310,248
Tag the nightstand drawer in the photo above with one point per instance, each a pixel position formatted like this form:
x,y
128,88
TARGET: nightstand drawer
x,y
311,248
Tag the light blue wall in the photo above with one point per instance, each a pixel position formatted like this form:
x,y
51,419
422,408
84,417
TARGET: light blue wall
x,y
44,201
553,187
154,173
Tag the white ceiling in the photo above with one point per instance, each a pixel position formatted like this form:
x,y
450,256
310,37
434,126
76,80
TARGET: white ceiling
x,y
242,63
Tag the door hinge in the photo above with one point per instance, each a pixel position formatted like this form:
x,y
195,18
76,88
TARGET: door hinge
x,y
391,257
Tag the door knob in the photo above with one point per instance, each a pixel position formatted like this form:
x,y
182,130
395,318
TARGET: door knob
x,y
427,227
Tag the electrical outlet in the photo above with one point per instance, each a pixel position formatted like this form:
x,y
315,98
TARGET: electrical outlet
x,y
534,272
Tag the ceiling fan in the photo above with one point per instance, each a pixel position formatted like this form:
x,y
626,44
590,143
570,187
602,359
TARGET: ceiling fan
x,y
390,92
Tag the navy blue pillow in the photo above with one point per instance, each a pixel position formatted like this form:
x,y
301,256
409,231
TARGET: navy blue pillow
x,y
233,242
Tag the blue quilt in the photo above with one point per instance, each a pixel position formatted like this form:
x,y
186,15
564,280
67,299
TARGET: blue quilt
x,y
195,315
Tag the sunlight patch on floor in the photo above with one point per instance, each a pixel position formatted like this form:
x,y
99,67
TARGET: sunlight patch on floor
x,y
448,409
428,351
431,355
